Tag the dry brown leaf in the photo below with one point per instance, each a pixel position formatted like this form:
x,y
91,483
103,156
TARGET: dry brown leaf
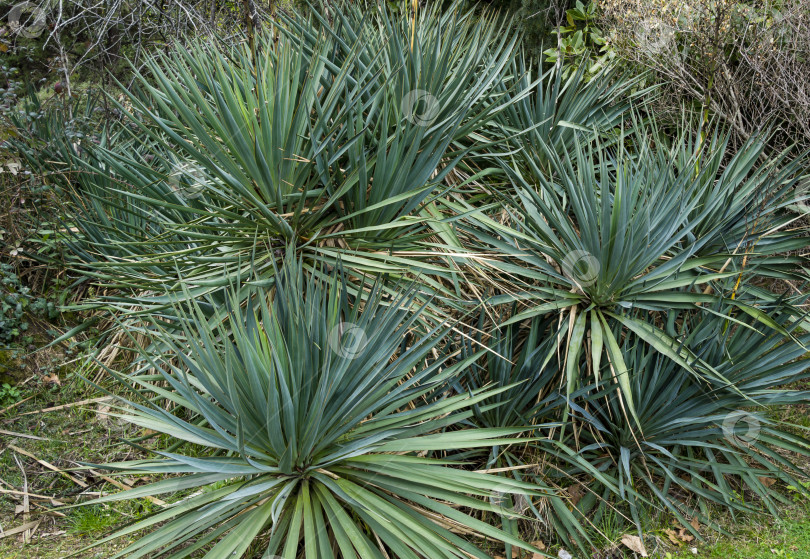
x,y
684,536
695,524
539,545
48,465
103,414
24,528
634,543
63,406
53,379
673,536
575,493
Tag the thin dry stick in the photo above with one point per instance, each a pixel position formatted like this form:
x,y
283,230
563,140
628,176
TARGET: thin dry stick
x,y
50,466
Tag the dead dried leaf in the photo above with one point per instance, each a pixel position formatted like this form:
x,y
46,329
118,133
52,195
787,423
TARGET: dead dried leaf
x,y
684,536
50,466
52,379
634,543
103,412
673,536
24,528
575,493
541,546
22,435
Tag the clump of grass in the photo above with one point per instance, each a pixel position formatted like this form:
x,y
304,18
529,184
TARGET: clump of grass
x,y
95,519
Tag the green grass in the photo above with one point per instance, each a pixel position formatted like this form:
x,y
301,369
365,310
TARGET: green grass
x,y
751,538
93,520
788,539
70,435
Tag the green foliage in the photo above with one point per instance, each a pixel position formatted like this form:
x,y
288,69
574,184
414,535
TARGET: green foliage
x,y
313,412
787,539
18,303
536,21
592,319
613,239
92,520
48,134
9,394
710,440
581,41
231,162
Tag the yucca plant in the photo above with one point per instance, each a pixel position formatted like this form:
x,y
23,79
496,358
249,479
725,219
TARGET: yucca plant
x,y
697,445
312,433
617,238
550,110
542,113
524,360
334,140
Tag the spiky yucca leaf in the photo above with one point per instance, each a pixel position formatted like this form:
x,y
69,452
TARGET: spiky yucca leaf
x,y
525,360
550,110
311,415
615,237
696,444
333,141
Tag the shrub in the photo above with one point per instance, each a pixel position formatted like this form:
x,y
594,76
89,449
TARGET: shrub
x,y
622,269
233,161
695,444
611,238
18,305
738,60
311,412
